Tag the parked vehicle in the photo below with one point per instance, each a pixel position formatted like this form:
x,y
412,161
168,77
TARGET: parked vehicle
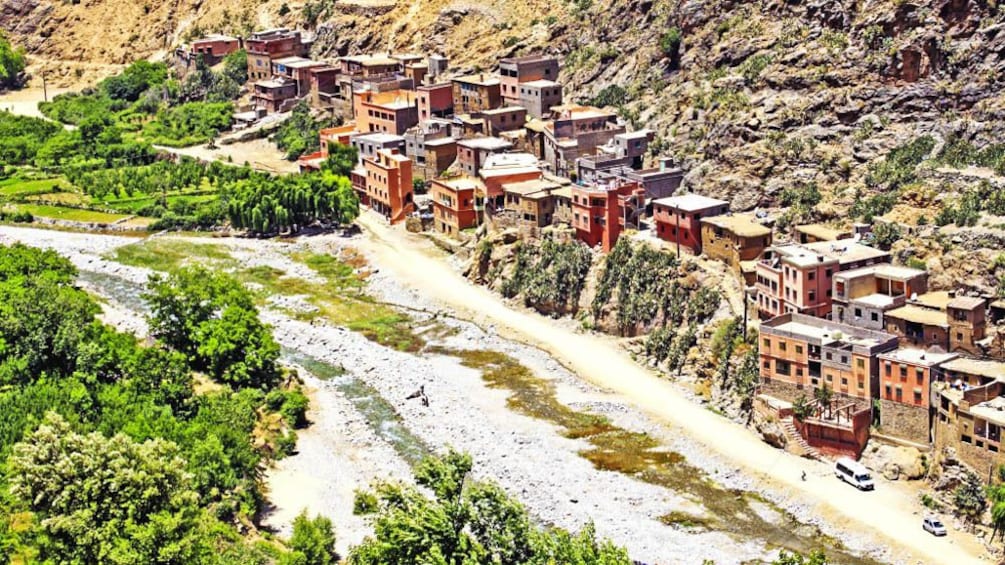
x,y
853,473
933,526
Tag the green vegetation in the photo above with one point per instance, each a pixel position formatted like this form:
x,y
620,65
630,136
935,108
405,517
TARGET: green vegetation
x,y
298,135
12,63
212,319
144,103
191,123
898,168
885,234
670,45
969,499
960,153
549,275
752,67
611,95
465,521
649,290
158,473
21,137
965,210
69,214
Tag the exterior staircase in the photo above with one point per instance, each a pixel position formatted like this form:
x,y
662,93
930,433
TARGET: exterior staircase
x,y
797,441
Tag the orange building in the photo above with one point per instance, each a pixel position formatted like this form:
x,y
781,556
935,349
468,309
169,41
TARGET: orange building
x,y
457,203
600,212
800,353
390,112
384,183
905,390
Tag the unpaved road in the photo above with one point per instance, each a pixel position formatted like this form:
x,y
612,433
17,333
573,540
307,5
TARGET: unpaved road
x,y
891,513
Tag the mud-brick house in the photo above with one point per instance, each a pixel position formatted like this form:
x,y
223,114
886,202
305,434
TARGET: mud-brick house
x,y
737,240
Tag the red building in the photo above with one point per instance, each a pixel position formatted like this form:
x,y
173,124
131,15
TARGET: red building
x,y
435,101
265,46
678,218
600,212
390,112
215,47
457,203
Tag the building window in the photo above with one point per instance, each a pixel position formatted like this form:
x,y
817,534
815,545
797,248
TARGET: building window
x,y
903,371
874,316
782,346
799,350
812,275
860,363
813,295
858,312
765,341
782,368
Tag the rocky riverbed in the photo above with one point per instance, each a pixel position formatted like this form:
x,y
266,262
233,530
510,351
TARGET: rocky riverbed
x,y
350,445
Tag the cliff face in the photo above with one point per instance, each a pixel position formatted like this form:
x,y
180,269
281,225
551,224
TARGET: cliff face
x,y
759,96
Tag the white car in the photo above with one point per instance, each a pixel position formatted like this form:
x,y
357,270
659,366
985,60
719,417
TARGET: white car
x,y
934,526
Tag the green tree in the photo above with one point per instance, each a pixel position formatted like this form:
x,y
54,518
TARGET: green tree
x,y
341,159
211,317
969,498
792,558
314,539
465,522
885,234
12,63
105,500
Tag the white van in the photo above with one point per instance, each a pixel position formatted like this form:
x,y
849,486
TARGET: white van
x,y
853,473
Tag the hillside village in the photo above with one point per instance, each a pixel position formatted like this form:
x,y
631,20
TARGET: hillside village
x,y
851,345
858,342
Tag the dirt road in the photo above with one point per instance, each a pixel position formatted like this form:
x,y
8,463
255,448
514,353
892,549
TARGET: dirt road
x,y
892,513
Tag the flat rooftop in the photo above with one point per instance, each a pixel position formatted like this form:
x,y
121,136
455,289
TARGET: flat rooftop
x,y
215,37
938,299
501,160
527,59
503,110
823,232
992,410
884,270
289,60
980,367
846,251
917,356
542,83
461,183
379,138
744,225
919,315
690,202
826,335
579,112
483,79
877,300
371,60
529,187
443,141
966,302
485,143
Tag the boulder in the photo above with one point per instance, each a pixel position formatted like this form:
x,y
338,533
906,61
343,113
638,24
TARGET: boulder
x,y
895,462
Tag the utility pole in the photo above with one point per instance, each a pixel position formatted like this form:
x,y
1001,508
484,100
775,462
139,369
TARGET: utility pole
x,y
45,89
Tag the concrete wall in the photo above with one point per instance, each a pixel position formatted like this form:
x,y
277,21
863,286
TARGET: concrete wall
x,y
904,421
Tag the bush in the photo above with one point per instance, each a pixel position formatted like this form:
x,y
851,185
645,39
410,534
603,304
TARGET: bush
x,y
550,275
12,63
189,124
612,95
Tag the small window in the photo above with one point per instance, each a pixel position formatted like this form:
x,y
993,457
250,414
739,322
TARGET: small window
x,y
782,346
812,275
766,342
799,350
860,363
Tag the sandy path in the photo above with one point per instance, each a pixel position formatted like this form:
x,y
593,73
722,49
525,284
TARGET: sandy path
x,y
24,102
891,513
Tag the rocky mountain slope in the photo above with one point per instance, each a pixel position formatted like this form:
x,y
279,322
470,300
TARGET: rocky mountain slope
x,y
762,101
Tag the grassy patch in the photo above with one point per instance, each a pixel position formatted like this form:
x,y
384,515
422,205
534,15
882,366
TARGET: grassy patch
x,y
19,187
685,520
169,254
70,214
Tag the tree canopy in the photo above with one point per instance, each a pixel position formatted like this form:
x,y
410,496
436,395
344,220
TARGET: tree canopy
x,y
465,522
